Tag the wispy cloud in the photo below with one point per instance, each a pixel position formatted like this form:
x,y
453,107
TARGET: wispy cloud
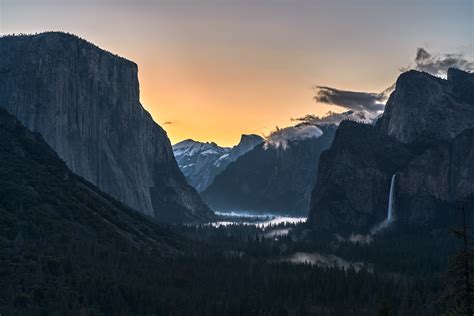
x,y
281,137
333,118
438,64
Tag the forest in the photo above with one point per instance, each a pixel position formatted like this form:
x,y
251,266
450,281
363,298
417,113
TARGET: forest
x,y
230,270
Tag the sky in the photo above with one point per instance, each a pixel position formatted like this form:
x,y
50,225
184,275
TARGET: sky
x,y
212,70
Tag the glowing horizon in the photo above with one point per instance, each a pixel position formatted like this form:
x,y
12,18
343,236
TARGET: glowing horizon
x,y
219,69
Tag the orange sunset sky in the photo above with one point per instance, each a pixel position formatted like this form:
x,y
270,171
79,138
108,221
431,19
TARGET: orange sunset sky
x,y
212,70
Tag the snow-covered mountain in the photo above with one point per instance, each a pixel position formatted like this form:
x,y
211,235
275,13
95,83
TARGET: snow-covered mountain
x,y
202,162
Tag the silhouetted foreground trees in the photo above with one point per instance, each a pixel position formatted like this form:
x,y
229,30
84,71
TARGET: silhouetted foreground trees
x,y
125,283
459,292
237,274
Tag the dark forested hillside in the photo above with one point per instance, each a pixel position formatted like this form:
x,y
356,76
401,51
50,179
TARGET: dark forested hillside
x,y
41,198
56,229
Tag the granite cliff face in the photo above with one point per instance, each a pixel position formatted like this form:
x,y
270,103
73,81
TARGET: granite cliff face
x,y
436,181
271,179
425,136
354,175
202,162
85,103
427,109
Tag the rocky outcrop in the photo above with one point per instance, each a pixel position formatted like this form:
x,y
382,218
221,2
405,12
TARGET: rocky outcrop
x,y
427,109
246,144
425,137
202,162
85,103
271,178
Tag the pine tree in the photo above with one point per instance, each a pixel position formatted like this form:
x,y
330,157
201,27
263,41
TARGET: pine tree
x,y
458,295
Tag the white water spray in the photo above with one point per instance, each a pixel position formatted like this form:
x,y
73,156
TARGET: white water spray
x,y
391,200
390,209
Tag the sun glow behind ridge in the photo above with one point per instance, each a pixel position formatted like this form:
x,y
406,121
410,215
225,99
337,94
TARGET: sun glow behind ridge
x,y
215,70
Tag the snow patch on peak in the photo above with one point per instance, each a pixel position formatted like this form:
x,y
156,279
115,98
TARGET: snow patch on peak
x,y
281,137
200,162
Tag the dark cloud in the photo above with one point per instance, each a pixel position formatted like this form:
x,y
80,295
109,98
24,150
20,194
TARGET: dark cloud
x,y
438,64
367,106
336,118
352,100
167,123
361,106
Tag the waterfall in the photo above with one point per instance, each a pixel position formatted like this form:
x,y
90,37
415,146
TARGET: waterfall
x,y
390,209
389,218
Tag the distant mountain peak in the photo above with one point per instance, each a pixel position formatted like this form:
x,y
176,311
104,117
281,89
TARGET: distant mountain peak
x,y
200,162
250,137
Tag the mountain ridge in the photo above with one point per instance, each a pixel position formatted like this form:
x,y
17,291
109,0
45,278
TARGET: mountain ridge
x,y
201,162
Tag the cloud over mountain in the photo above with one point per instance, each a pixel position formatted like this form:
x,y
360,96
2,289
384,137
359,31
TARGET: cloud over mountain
x,y
333,118
367,106
352,100
438,64
361,106
281,137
